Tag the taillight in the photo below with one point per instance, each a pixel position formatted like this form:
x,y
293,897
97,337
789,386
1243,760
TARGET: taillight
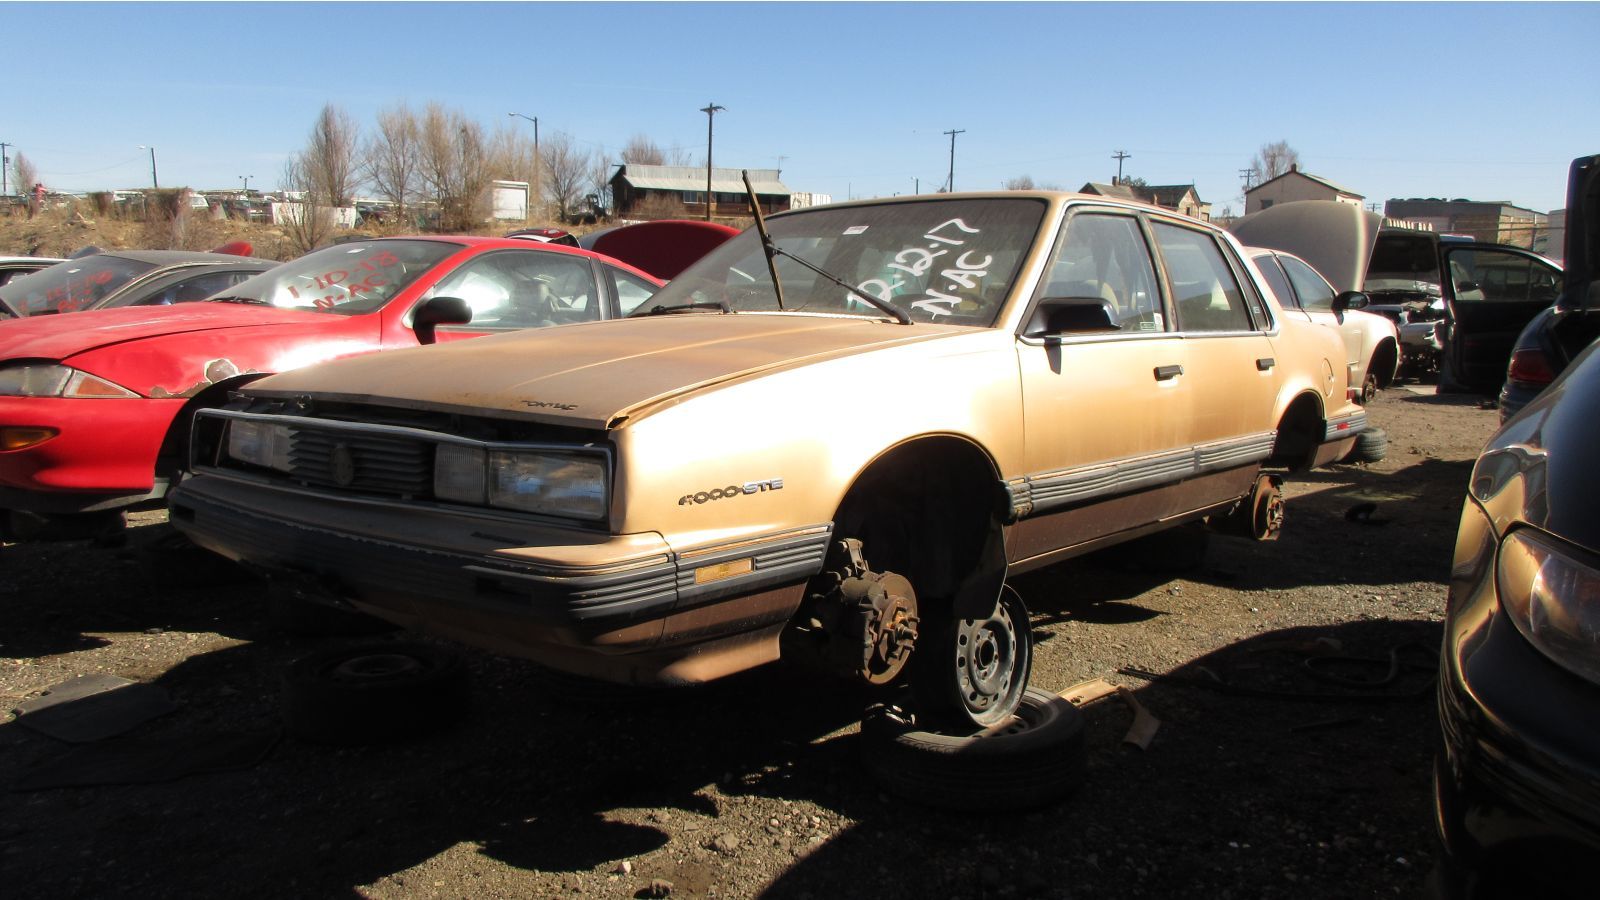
x,y
1530,367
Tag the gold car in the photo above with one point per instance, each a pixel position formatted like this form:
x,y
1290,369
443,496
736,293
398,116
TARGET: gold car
x,y
833,444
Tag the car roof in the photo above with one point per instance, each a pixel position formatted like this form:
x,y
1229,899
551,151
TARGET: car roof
x,y
174,257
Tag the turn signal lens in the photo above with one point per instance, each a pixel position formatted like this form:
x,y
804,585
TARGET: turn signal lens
x,y
23,438
92,387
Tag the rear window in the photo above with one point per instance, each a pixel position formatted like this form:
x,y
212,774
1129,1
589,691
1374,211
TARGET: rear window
x,y
73,285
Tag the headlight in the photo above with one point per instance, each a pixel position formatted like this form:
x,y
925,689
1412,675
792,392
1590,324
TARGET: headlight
x,y
55,380
1551,590
551,482
557,484
259,443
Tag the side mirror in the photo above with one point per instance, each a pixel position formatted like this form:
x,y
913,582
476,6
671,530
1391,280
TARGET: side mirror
x,y
1350,300
439,311
1070,315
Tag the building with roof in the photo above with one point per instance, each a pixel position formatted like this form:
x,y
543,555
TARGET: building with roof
x,y
679,192
1498,221
1180,198
1296,185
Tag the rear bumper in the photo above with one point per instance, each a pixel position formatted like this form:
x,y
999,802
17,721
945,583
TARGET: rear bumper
x,y
626,608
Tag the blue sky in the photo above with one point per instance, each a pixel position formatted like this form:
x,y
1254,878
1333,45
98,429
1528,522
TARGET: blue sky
x,y
1485,101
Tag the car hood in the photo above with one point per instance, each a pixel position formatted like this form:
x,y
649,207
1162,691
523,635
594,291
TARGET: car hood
x,y
1335,238
60,337
599,374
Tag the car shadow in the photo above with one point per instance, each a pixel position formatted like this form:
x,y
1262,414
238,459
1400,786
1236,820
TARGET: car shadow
x,y
1262,780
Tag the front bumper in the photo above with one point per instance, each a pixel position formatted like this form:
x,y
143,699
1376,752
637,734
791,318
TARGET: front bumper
x,y
103,457
1517,784
627,608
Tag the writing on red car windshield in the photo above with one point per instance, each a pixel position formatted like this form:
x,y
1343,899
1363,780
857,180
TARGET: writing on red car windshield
x,y
78,293
340,285
948,277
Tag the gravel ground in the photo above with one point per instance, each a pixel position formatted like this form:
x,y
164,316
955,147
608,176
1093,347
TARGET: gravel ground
x,y
754,787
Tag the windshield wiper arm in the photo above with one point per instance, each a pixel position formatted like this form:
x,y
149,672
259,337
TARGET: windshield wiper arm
x,y
773,250
257,301
657,310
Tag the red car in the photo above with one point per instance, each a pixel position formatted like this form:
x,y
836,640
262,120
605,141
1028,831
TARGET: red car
x,y
95,407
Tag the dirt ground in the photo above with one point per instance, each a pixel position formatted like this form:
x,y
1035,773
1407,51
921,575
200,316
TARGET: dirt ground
x,y
1280,784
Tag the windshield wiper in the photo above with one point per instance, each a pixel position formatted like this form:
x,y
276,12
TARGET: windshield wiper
x,y
773,250
724,308
255,301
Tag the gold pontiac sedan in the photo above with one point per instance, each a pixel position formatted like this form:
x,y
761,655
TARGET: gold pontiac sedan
x,y
832,439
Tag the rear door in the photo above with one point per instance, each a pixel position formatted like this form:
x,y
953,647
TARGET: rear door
x,y
1491,292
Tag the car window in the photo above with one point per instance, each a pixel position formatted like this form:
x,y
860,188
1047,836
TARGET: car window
x,y
631,290
1106,257
1205,294
1277,281
1487,275
197,287
946,261
524,289
346,279
73,285
1314,291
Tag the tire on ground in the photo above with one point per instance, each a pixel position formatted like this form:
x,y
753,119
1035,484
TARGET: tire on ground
x,y
1036,760
1371,445
374,693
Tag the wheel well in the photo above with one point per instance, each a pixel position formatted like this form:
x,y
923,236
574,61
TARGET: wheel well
x,y
1300,433
175,446
1383,362
930,510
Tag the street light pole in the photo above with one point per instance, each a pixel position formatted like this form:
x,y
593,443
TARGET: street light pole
x,y
153,182
538,161
711,110
246,180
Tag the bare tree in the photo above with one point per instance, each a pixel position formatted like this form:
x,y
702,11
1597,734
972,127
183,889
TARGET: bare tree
x,y
600,183
332,157
313,224
1021,183
455,167
1273,160
393,157
568,171
642,151
23,175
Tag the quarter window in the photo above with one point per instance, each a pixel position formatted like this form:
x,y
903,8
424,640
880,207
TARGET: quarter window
x,y
632,291
1205,294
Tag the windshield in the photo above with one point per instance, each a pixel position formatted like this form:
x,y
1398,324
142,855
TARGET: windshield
x,y
72,285
948,261
346,279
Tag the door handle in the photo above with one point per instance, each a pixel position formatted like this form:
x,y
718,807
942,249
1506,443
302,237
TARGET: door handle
x,y
1265,363
1164,373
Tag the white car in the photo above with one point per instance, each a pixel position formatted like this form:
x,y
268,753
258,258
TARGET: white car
x,y
1372,343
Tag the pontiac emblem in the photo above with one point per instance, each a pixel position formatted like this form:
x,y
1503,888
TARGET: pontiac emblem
x,y
343,464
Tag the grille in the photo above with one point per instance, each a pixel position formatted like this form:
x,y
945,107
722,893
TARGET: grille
x,y
361,462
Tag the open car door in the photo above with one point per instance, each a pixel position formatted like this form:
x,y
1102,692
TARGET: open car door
x,y
1491,292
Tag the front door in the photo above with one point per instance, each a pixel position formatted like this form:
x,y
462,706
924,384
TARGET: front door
x,y
1491,293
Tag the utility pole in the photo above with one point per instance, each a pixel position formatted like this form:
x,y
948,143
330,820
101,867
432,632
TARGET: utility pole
x,y
1249,176
711,110
246,180
153,182
1119,156
950,182
538,161
5,169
